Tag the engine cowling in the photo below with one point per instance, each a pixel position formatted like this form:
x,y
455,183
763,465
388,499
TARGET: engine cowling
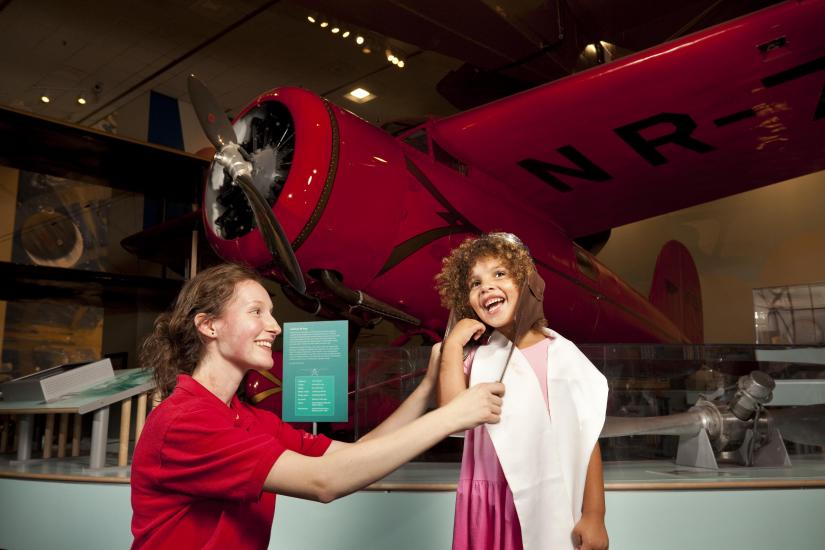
x,y
313,161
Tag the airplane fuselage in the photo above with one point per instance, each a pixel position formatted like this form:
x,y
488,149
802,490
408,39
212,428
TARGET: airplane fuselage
x,y
382,212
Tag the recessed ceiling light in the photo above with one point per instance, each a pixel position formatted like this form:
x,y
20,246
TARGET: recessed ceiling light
x,y
345,35
81,100
310,19
360,95
359,40
44,98
324,24
335,30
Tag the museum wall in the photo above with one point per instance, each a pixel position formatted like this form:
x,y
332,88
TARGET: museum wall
x,y
771,236
131,120
8,194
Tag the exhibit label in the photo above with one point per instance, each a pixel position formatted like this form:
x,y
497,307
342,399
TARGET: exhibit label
x,y
315,371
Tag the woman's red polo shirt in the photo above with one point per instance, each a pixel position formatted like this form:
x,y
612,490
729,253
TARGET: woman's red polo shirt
x,y
199,468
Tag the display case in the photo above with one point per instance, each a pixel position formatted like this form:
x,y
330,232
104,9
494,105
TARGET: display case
x,y
385,376
705,406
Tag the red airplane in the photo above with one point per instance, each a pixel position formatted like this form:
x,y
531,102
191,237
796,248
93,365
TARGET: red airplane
x,y
355,221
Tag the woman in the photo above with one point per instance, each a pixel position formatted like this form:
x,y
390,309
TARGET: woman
x,y
207,466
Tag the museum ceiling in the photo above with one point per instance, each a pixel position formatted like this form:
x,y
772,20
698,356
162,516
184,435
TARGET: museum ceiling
x,y
456,54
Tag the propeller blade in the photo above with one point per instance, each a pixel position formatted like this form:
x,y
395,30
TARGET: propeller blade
x,y
273,234
686,423
231,156
214,122
804,424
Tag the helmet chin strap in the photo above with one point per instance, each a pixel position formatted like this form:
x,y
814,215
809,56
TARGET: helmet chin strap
x,y
529,309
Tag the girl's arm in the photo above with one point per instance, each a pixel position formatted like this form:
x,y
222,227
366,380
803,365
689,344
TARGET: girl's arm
x,y
451,379
416,404
590,532
336,474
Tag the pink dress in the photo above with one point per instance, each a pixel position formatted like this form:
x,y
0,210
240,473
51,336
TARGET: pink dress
x,y
485,516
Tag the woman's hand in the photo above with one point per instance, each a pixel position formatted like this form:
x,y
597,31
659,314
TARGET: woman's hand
x,y
434,365
480,404
590,533
464,331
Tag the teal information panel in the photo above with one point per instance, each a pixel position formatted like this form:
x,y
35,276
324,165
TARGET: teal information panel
x,y
315,371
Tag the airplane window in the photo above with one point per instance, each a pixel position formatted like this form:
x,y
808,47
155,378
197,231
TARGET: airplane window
x,y
444,157
397,127
585,264
418,140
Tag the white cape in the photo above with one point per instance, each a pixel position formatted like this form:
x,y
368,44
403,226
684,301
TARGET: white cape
x,y
545,459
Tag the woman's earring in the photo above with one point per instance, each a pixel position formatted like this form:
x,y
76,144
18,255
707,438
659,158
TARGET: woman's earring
x,y
213,333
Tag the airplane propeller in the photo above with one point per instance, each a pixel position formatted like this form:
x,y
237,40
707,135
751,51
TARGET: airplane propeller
x,y
233,159
804,424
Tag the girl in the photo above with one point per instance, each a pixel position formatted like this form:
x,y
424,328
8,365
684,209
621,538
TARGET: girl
x,y
207,466
534,480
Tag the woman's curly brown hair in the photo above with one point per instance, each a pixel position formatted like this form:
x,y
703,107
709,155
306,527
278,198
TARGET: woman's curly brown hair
x,y
175,345
453,282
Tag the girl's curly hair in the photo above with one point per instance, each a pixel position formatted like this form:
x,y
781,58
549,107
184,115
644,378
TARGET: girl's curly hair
x,y
453,282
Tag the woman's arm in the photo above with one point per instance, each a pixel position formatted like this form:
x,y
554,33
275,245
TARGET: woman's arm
x,y
352,467
451,379
590,532
416,404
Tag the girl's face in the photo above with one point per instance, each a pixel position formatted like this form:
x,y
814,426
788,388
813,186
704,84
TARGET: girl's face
x,y
493,292
246,329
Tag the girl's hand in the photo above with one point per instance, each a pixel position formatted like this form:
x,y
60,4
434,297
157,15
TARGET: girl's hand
x,y
463,331
480,404
451,378
590,533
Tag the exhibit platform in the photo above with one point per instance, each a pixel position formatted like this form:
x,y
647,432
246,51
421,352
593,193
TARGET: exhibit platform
x,y
650,505
652,502
806,471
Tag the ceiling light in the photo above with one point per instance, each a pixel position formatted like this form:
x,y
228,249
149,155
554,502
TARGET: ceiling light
x,y
324,24
81,100
394,60
346,34
359,40
310,19
44,98
366,49
400,63
335,30
360,95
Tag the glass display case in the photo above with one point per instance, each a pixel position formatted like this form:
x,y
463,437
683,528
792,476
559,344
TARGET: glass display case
x,y
385,376
698,405
792,314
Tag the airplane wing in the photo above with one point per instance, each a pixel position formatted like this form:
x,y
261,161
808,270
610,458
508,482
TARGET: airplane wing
x,y
729,109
